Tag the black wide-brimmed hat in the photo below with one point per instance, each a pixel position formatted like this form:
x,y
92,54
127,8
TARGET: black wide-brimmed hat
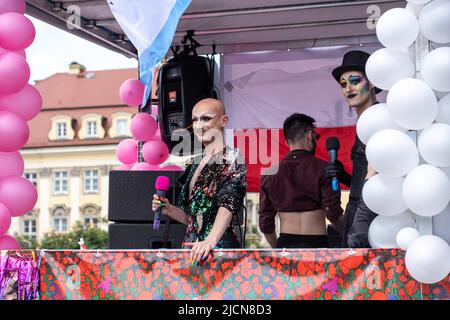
x,y
353,60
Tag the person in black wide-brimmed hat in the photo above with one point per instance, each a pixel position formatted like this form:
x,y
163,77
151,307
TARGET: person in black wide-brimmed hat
x,y
360,95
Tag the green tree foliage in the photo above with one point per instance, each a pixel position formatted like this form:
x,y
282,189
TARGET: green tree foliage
x,y
94,238
27,242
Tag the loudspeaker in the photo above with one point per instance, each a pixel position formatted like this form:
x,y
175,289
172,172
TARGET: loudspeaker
x,y
131,194
142,236
183,81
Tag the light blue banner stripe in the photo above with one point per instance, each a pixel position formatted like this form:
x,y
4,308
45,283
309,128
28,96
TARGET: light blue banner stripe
x,y
156,52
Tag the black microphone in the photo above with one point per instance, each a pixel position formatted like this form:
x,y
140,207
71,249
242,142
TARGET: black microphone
x,y
333,147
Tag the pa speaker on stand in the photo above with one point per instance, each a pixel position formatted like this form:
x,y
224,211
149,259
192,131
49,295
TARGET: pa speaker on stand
x,y
183,81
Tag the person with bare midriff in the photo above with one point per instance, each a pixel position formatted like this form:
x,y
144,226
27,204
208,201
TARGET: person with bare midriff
x,y
299,192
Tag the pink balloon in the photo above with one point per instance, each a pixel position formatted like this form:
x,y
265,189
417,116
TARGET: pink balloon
x,y
155,152
12,6
143,126
5,219
14,132
144,166
157,135
124,167
9,243
172,167
14,73
26,103
127,150
18,194
132,92
11,164
20,52
17,32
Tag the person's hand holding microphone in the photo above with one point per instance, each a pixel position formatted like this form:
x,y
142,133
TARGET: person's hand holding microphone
x,y
335,169
160,203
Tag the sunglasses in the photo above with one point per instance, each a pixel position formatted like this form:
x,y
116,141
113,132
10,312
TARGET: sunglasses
x,y
316,134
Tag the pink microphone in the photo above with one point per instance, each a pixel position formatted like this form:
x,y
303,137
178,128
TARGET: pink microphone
x,y
161,186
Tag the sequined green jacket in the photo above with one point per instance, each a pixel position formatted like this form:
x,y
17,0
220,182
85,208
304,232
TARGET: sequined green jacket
x,y
221,183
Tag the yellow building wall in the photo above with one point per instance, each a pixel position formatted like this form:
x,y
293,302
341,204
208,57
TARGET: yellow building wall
x,y
75,160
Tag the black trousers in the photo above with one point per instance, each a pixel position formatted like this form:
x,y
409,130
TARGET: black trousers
x,y
287,240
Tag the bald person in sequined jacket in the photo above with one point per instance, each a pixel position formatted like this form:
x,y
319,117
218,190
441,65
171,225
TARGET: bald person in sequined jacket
x,y
213,186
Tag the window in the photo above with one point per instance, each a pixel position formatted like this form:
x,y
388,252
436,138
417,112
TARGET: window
x,y
29,228
91,221
91,215
122,127
60,224
32,177
61,130
91,126
60,182
92,129
60,218
91,181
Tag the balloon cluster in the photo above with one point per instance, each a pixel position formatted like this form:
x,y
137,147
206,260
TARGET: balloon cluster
x,y
413,179
144,128
19,103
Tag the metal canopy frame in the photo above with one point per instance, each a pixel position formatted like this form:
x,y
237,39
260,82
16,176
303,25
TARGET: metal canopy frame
x,y
231,25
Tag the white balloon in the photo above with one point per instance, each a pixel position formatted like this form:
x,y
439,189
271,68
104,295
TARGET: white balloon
x,y
427,259
434,21
441,224
436,69
434,144
384,229
397,28
414,8
374,119
443,114
412,104
417,1
426,190
392,153
440,94
387,66
383,195
446,171
406,236
411,52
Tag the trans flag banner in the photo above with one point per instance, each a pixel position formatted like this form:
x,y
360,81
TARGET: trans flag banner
x,y
150,25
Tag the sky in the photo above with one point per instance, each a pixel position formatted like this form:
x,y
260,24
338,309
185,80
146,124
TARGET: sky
x,y
54,49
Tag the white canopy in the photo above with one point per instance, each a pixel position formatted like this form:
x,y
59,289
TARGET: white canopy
x,y
232,25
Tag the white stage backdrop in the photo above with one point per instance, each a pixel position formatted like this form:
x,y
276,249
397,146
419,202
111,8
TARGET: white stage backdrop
x,y
262,89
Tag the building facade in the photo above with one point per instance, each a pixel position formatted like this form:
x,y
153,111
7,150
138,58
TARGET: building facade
x,y
72,149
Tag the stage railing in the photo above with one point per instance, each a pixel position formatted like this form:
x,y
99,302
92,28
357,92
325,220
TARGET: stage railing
x,y
338,274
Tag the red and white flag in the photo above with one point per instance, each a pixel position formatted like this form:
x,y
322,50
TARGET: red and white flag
x,y
262,89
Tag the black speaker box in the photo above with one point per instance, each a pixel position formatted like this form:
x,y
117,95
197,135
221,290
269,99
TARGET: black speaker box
x,y
142,236
183,81
334,238
131,194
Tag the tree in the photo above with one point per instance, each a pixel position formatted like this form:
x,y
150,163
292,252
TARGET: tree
x,y
27,242
94,238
